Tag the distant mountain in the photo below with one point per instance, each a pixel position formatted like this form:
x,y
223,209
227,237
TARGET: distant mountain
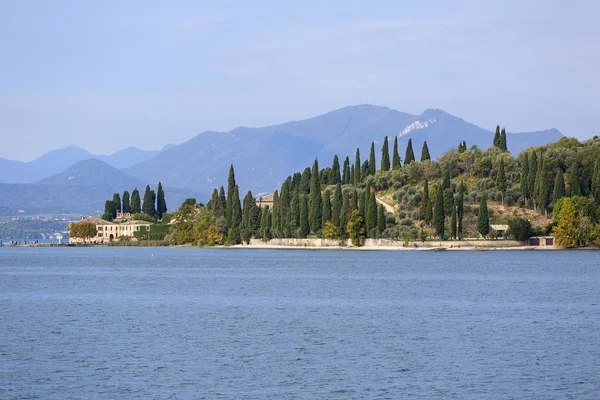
x,y
263,157
58,160
83,187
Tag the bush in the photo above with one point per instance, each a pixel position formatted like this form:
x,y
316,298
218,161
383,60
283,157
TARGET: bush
x,y
143,217
520,229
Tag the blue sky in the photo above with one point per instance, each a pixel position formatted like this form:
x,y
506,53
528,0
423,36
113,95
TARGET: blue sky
x,y
110,74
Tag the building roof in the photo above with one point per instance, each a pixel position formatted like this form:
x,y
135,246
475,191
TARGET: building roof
x,y
97,221
500,227
266,199
136,222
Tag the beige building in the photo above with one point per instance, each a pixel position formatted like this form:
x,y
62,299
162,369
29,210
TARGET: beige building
x,y
265,201
110,231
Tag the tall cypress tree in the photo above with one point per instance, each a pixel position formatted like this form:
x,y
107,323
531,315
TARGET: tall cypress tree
x,y
460,209
525,176
438,212
234,234
315,204
385,155
448,201
425,152
117,201
559,187
304,225
294,214
336,208
365,170
544,189
352,175
276,216
346,173
304,186
381,220
230,190
595,192
136,202
344,213
446,180
483,220
497,139
126,202
357,177
396,162
327,212
453,221
109,210
501,183
285,204
410,154
538,181
362,203
334,177
214,201
371,219
503,145
533,167
249,215
148,205
265,224
372,165
573,178
222,207
161,204
424,200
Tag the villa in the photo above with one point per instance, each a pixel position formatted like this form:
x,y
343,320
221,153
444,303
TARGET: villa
x,y
110,231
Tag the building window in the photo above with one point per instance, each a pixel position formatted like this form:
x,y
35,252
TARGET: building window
x,y
99,234
100,227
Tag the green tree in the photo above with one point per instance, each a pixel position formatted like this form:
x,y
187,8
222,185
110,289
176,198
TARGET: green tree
x,y
595,190
381,220
126,202
448,201
410,154
454,221
372,165
117,201
304,187
230,189
315,201
396,161
438,212
275,216
425,152
285,205
525,177
446,183
357,177
327,212
503,145
161,204
233,233
365,170
250,218
84,230
334,178
265,224
136,202
483,219
222,208
346,173
184,220
501,183
460,210
424,200
304,225
385,155
109,210
214,201
533,168
497,138
520,229
336,208
559,187
148,206
371,209
573,227
356,228
352,174
573,178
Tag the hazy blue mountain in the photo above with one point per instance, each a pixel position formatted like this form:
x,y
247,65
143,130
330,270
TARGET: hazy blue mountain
x,y
263,157
58,160
92,172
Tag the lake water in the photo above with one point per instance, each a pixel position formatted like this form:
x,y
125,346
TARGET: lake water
x,y
173,323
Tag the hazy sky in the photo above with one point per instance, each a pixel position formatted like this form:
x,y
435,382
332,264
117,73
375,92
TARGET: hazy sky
x,y
105,75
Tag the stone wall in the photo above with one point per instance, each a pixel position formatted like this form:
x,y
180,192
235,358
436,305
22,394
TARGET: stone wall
x,y
325,243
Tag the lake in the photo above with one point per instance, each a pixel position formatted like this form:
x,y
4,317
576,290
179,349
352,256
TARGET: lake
x,y
180,323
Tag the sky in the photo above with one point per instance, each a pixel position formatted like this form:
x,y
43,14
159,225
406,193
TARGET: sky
x,y
105,75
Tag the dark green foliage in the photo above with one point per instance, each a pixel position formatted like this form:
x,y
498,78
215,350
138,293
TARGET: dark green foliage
x,y
460,209
250,218
448,201
222,207
503,145
429,212
344,217
214,202
117,202
352,174
438,212
595,190
501,183
525,175
294,214
230,189
327,212
520,229
497,138
543,194
446,181
304,187
371,211
559,186
365,170
396,161
296,178
454,221
362,203
126,202
573,178
265,224
233,233
315,201
334,177
336,207
410,154
372,164
533,169
346,172
148,206
425,152
356,228
424,200
285,206
304,225
190,201
381,219
136,202
275,217
462,147
161,204
109,210
483,219
385,155
357,177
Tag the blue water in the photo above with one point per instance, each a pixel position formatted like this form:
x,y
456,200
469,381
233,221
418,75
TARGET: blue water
x,y
173,323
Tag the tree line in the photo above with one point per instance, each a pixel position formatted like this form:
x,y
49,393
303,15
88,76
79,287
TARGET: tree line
x,y
151,208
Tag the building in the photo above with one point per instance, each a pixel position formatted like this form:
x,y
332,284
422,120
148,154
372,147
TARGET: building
x,y
542,241
500,230
110,231
265,201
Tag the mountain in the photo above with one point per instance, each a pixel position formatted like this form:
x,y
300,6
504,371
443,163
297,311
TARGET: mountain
x,y
264,157
83,187
58,160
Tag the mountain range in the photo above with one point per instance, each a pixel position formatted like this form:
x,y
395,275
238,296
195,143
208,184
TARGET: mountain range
x,y
263,157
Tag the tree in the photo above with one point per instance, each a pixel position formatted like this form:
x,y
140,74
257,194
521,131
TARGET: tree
x,y
357,177
520,229
117,200
501,180
330,231
161,204
285,206
483,219
438,212
365,170
304,225
381,220
356,228
497,138
525,177
574,226
327,212
334,177
222,208
454,221
396,162
372,165
448,201
462,147
230,189
109,210
410,154
352,175
425,152
559,187
336,208
233,233
148,206
275,216
503,145
265,224
460,210
596,182
533,167
82,230
126,203
371,209
249,217
304,186
573,178
136,202
385,155
346,173
315,201
424,200
184,220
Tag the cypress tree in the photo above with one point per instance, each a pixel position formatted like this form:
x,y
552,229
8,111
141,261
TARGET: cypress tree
x,y
334,177
453,221
304,226
573,178
362,203
429,212
396,162
372,165
424,200
230,190
538,181
327,212
117,201
381,220
315,204
136,202
365,170
559,187
533,167
285,205
595,190
346,173
304,187
438,212
483,220
161,204
544,189
247,226
126,202
410,154
275,216
371,210
109,210
222,207
425,152
385,155
214,201
448,201
460,210
525,177
352,175
148,206
344,212
461,149
497,138
446,180
357,177
295,214
234,234
503,145
501,180
265,224
296,181
336,208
